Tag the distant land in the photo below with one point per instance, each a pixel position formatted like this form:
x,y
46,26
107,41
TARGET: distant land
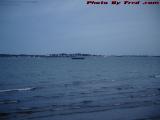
x,y
72,55
49,55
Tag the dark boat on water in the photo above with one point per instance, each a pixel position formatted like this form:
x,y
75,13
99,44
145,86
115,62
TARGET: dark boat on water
x,y
78,58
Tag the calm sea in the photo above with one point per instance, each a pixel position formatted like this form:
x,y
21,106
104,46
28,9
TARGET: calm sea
x,y
122,88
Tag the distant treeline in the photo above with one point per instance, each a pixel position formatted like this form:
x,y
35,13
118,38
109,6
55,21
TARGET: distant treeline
x,y
71,55
50,55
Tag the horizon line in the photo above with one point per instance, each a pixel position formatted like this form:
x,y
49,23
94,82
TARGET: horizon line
x,y
92,54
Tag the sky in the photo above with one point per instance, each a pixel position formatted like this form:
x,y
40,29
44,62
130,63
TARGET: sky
x,y
72,26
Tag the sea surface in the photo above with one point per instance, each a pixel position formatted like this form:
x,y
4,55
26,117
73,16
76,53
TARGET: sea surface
x,y
96,88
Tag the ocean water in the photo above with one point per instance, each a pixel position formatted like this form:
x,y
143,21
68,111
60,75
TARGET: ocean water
x,y
111,88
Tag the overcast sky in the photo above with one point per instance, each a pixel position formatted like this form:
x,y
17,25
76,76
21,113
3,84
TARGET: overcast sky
x,y
55,26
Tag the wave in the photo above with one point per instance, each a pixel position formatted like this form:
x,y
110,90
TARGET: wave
x,y
62,110
9,101
155,76
20,89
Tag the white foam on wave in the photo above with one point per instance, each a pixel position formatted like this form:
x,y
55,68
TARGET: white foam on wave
x,y
21,89
157,76
8,101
